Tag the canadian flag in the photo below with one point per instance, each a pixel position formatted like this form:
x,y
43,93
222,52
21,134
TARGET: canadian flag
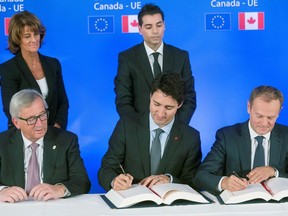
x,y
251,20
130,24
6,25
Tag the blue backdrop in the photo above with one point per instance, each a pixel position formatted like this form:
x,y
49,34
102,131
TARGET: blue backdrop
x,y
226,62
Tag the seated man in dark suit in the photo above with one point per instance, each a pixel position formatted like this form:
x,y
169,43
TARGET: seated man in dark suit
x,y
36,160
249,152
148,157
137,67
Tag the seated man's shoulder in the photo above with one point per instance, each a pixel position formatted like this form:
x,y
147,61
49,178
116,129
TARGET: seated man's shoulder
x,y
5,136
8,131
234,127
59,133
187,129
282,128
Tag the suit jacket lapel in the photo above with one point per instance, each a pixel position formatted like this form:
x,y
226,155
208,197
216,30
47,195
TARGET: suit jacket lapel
x,y
143,62
15,152
49,77
143,134
49,156
171,146
244,148
168,59
27,73
275,147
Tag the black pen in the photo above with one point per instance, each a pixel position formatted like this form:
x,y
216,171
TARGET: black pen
x,y
234,173
121,167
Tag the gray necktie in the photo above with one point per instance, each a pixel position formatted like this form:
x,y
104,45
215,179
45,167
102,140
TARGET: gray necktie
x,y
33,177
259,153
155,154
156,66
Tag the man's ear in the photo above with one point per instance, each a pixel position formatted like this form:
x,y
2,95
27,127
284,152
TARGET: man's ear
x,y
140,29
248,106
16,122
180,105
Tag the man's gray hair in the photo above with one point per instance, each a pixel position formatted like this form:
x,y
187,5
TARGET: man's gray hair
x,y
24,99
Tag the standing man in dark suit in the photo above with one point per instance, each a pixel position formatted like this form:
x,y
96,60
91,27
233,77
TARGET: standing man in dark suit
x,y
136,71
134,138
36,160
255,150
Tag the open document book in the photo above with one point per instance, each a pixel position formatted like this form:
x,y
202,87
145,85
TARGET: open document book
x,y
162,193
272,189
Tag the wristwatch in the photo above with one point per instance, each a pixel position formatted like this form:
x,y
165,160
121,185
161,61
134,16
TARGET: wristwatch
x,y
275,172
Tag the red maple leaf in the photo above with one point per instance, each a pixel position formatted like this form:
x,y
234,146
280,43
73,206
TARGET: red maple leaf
x,y
134,23
251,20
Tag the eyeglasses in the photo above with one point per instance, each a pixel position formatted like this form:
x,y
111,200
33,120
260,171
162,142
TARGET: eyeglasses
x,y
32,120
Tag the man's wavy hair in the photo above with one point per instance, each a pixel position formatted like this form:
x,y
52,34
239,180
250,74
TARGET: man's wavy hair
x,y
171,84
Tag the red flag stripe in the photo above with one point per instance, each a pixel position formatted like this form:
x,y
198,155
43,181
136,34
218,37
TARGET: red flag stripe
x,y
6,24
241,21
125,27
260,20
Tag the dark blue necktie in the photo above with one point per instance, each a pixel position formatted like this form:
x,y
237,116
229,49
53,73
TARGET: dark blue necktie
x,y
259,159
156,66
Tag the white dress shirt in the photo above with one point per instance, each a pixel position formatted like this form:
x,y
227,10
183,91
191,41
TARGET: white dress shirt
x,y
149,52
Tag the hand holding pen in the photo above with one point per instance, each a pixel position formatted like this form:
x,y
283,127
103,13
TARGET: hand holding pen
x,y
234,173
123,181
246,180
234,182
241,182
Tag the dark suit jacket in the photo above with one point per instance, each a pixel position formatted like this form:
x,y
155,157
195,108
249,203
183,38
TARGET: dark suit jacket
x,y
134,78
62,164
232,152
129,145
15,76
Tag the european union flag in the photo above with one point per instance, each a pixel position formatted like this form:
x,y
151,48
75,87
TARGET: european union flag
x,y
100,24
217,21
